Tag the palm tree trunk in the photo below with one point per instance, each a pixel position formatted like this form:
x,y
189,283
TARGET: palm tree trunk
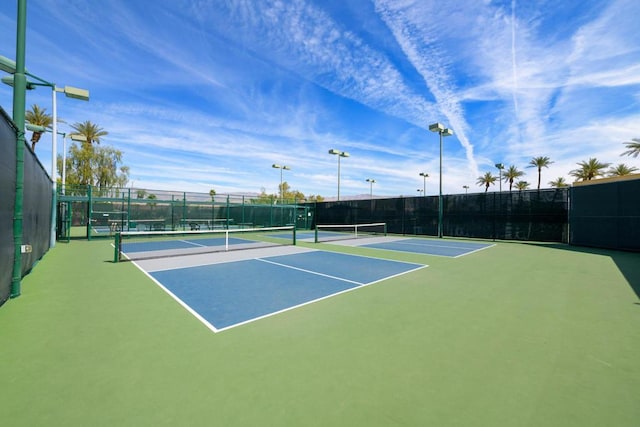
x,y
539,176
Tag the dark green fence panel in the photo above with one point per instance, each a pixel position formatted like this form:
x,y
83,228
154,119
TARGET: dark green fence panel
x,y
36,210
7,200
606,215
524,215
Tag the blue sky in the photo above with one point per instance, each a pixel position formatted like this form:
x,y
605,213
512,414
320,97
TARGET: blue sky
x,y
202,94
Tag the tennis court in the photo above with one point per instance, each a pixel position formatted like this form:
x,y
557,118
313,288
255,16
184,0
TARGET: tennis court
x,y
440,247
230,289
520,334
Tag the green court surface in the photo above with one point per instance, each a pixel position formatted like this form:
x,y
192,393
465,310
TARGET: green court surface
x,y
515,335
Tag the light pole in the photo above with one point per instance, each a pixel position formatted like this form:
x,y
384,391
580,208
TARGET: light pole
x,y
74,137
339,154
420,190
282,168
70,92
500,166
466,187
424,175
438,127
19,99
371,182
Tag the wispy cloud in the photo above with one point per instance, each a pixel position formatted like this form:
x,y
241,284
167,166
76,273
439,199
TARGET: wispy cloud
x,y
203,94
419,42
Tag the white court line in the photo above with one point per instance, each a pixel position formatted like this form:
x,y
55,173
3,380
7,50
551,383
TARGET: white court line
x,y
479,249
310,272
190,242
179,301
293,307
400,242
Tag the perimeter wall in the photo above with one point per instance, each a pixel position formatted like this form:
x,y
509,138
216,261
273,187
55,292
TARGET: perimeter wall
x,y
36,207
536,215
605,213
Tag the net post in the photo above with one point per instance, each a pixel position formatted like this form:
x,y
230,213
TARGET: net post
x,y
294,234
385,229
116,252
316,234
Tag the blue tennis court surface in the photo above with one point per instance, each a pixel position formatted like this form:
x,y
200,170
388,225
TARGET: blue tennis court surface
x,y
229,294
448,248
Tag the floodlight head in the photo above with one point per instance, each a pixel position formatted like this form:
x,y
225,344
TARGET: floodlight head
x,y
35,128
287,168
371,180
76,93
334,151
8,80
344,154
78,137
436,127
275,166
426,175
447,132
7,65
500,166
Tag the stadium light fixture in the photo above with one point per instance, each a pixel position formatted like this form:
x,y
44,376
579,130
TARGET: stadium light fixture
x,y
70,92
282,168
35,128
424,175
371,182
442,131
500,167
420,190
78,137
466,187
8,65
339,154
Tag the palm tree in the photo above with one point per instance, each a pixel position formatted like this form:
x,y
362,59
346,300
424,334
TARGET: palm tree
x,y
589,169
522,185
486,180
633,148
621,170
39,117
91,131
511,174
559,183
540,162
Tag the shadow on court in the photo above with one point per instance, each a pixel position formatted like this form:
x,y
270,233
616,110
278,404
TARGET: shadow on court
x,y
627,262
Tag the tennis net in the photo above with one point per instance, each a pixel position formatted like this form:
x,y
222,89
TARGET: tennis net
x,y
331,232
138,245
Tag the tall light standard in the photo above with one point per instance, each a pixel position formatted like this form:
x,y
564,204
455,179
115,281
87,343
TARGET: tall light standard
x,y
282,168
466,187
438,127
371,182
500,166
339,154
424,175
19,100
74,137
70,92
420,190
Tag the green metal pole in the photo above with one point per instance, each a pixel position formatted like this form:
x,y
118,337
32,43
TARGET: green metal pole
x,y
19,103
89,210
